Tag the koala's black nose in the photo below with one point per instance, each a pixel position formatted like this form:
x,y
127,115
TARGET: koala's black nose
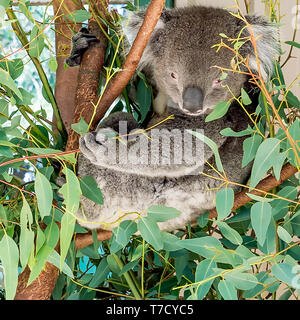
x,y
192,100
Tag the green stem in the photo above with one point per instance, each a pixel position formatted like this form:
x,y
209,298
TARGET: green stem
x,y
23,39
128,279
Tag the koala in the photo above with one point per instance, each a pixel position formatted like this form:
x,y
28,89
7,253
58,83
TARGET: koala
x,y
162,163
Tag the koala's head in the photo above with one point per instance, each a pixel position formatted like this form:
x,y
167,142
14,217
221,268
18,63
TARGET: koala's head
x,y
182,60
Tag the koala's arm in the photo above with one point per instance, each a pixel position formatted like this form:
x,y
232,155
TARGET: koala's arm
x,y
80,43
156,152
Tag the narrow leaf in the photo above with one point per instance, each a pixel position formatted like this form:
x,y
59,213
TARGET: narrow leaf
x,y
227,290
224,202
43,193
150,232
9,256
261,214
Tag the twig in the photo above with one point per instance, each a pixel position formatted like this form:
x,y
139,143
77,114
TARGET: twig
x,y
23,39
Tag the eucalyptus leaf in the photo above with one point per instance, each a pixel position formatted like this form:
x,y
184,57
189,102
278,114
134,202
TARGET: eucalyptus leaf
x,y
205,273
227,290
150,232
265,158
261,215
44,194
224,202
90,189
9,256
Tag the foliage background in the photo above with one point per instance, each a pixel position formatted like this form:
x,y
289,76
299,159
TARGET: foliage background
x,y
249,255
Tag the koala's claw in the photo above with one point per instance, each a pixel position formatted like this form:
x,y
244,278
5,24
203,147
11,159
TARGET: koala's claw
x,y
93,145
80,42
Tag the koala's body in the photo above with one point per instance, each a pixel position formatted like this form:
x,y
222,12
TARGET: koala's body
x,y
179,60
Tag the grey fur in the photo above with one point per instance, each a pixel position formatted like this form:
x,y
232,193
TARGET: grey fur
x,y
180,62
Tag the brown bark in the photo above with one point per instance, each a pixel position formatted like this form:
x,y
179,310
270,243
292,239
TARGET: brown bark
x,y
39,289
66,79
88,77
83,240
86,90
266,185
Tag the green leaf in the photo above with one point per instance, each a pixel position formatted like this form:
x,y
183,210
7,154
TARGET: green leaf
x,y
245,97
90,189
284,235
204,271
36,42
283,272
27,235
293,43
150,232
241,280
278,164
269,245
224,202
229,233
250,147
170,242
213,147
51,236
219,111
161,213
79,15
43,193
13,67
9,256
80,127
203,219
100,274
207,247
124,230
6,80
265,158
71,193
227,290
228,132
261,215
52,64
54,258
294,131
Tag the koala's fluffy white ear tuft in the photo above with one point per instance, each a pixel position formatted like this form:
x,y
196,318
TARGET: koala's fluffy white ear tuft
x,y
131,27
267,45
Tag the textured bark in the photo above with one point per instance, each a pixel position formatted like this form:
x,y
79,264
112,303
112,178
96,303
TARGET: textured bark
x,y
85,239
66,79
88,78
116,86
266,185
39,289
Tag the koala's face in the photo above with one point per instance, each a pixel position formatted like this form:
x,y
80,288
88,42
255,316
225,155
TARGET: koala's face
x,y
197,88
183,61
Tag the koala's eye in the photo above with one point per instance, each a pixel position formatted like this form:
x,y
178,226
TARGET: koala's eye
x,y
174,75
217,83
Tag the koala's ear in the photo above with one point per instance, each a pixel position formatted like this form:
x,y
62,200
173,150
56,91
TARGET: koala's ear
x,y
131,27
267,45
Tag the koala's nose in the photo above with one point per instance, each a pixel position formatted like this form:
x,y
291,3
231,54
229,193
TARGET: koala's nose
x,y
192,100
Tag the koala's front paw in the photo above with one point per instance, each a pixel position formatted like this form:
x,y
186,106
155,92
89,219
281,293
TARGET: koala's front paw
x,y
99,146
80,42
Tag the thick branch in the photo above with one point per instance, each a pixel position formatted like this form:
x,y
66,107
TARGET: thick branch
x,y
265,185
86,96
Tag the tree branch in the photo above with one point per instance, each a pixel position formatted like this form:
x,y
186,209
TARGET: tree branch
x,y
265,185
87,97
